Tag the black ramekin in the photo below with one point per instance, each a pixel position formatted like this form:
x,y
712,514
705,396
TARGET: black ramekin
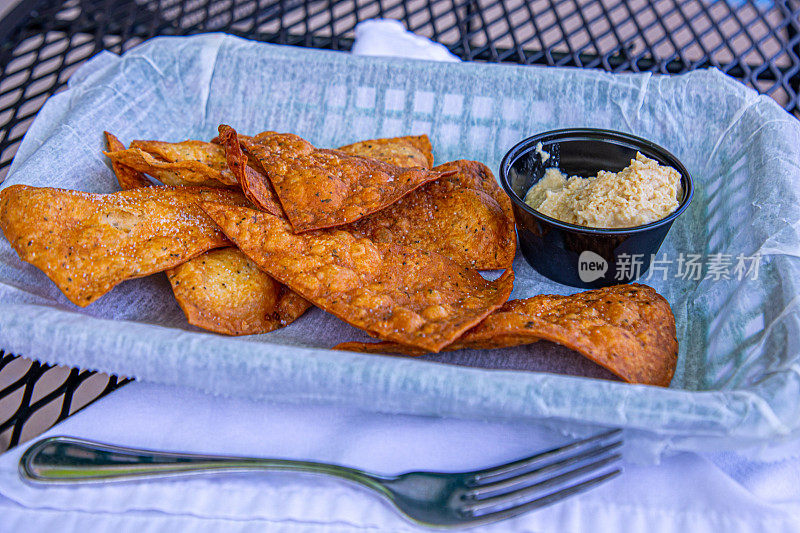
x,y
568,253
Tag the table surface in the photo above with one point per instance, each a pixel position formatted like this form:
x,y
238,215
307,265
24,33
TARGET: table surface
x,y
44,41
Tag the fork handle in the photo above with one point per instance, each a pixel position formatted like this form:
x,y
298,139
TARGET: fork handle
x,y
60,460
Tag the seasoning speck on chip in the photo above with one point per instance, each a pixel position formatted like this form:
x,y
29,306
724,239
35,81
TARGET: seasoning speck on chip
x,y
641,193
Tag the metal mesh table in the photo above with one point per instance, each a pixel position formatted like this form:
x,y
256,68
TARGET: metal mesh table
x,y
43,42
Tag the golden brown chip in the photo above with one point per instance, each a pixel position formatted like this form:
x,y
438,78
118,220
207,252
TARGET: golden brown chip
x,y
326,188
127,177
465,215
88,243
628,329
453,216
255,185
393,292
225,292
474,175
222,290
183,163
423,144
407,152
291,306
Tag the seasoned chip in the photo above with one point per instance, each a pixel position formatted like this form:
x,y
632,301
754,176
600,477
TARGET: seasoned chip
x,y
454,216
474,175
255,184
290,306
393,292
423,144
127,177
183,163
407,152
326,188
628,329
223,291
88,243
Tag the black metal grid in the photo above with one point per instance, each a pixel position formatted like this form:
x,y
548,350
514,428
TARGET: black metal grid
x,y
44,41
757,42
51,398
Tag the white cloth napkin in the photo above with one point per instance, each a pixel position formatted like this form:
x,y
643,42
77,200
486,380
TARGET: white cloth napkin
x,y
685,493
386,37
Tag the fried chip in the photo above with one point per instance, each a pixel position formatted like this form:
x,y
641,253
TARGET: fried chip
x,y
393,292
628,329
222,290
474,175
183,163
255,185
455,216
407,152
326,188
225,292
127,177
88,243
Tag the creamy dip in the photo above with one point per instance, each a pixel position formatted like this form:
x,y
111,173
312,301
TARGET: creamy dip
x,y
542,153
642,192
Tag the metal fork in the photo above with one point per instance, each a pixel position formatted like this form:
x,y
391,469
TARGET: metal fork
x,y
434,499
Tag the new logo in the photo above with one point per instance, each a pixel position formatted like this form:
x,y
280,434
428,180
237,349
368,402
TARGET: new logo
x,y
591,266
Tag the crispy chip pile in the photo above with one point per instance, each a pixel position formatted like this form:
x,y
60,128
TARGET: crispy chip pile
x,y
407,152
183,163
255,185
127,177
88,243
393,292
370,233
628,329
223,291
456,216
326,188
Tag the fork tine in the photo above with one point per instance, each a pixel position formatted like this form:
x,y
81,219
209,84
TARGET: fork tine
x,y
553,466
532,490
500,470
543,501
